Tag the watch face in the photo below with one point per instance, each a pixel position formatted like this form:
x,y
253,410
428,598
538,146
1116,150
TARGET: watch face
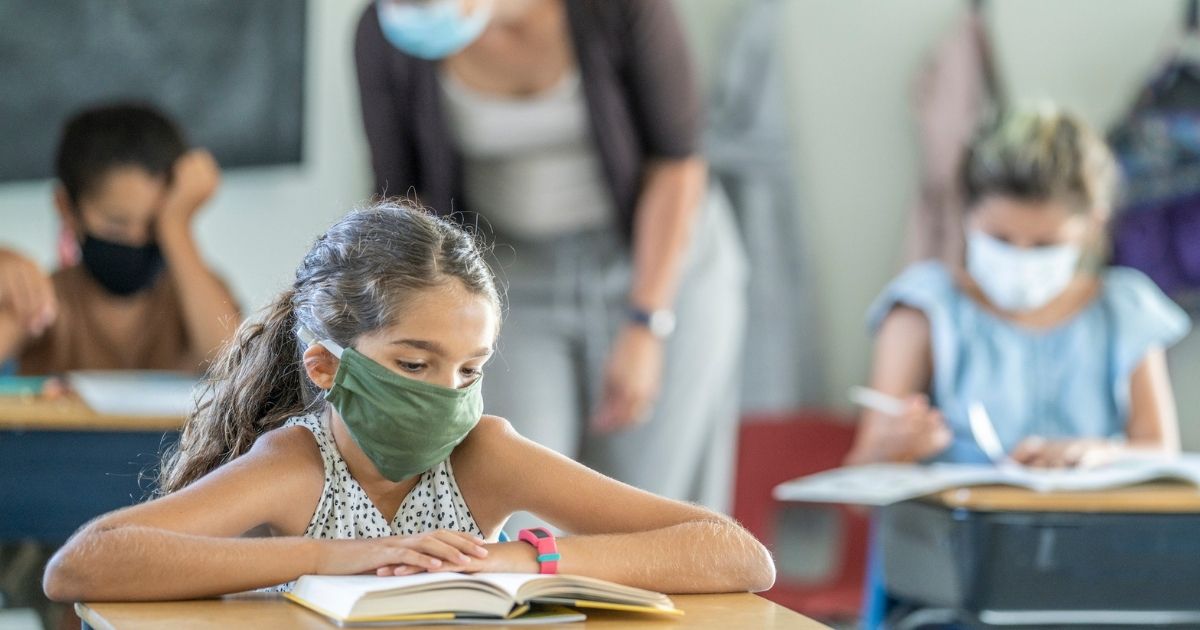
x,y
662,323
539,533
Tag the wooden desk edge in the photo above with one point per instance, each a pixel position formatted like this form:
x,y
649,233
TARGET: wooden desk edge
x,y
1157,497
94,423
72,414
96,619
91,618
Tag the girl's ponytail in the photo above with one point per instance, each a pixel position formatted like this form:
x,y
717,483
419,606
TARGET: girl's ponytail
x,y
254,385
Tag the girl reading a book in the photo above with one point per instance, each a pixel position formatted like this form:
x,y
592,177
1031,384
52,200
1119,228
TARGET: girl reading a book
x,y
1064,354
346,423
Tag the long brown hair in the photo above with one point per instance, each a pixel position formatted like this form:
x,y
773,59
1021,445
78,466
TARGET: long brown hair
x,y
354,280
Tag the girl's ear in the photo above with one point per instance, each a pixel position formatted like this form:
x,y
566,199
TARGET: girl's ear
x,y
320,365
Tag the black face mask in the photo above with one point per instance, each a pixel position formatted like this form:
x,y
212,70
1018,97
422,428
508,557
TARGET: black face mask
x,y
121,269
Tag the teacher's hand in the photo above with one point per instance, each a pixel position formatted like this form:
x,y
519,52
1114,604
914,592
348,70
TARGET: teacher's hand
x,y
631,380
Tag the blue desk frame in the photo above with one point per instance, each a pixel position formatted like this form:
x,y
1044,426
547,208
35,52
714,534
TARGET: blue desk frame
x,y
51,482
1050,569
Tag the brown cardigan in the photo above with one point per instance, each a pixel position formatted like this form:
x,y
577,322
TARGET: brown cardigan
x,y
637,78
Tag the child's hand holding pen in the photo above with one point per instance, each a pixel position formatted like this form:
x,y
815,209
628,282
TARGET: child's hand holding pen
x,y
906,430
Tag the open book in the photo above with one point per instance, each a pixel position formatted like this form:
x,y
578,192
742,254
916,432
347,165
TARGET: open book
x,y
458,597
884,484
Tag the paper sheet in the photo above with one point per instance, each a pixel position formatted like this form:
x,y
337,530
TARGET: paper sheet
x,y
134,393
884,484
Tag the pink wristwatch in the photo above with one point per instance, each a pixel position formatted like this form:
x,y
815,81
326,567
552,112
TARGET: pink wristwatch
x,y
547,549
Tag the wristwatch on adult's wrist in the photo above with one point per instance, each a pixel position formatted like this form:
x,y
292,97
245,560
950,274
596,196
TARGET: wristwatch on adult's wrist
x,y
660,322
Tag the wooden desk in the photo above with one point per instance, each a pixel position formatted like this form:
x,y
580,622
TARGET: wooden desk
x,y
1151,498
61,464
69,413
716,612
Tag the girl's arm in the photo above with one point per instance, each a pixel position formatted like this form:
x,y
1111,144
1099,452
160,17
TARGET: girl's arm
x,y
188,544
618,532
184,545
1152,428
1153,422
902,367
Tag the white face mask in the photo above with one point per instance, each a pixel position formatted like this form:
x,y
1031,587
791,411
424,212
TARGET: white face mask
x,y
1017,279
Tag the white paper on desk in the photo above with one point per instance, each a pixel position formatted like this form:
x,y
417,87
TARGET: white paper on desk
x,y
884,484
881,484
134,393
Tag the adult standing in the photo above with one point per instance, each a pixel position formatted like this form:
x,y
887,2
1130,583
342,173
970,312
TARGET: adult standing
x,y
571,127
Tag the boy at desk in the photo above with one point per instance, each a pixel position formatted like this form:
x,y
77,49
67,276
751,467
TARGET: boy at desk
x,y
141,296
1064,353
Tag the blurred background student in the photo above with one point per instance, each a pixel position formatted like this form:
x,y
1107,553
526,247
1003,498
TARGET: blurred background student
x,y
133,291
1065,354
139,294
572,129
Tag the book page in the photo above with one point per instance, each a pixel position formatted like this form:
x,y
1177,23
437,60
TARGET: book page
x,y
1126,472
560,588
353,597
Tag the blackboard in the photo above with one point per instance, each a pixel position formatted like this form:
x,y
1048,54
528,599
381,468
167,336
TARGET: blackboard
x,y
230,72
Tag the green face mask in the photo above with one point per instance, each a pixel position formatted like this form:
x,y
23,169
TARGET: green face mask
x,y
405,426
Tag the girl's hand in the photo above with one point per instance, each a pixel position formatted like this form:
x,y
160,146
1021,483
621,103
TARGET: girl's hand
x,y
1038,452
919,433
508,557
440,550
631,380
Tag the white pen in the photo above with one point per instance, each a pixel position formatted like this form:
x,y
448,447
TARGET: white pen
x,y
878,401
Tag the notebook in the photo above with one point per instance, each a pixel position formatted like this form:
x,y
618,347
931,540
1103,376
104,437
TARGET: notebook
x,y
509,598
884,484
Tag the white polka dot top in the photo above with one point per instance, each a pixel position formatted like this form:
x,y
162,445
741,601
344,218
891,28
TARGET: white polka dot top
x,y
345,510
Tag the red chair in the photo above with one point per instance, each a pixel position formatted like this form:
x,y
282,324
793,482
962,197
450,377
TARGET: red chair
x,y
776,448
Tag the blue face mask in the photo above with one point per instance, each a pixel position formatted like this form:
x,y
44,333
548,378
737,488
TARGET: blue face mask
x,y
433,30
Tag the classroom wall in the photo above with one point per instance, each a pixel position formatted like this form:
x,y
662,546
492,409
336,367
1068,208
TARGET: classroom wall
x,y
849,67
849,64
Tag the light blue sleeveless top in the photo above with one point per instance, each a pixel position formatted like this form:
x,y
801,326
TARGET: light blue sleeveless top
x,y
1071,380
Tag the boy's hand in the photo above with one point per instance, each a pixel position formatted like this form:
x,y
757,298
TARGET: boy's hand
x,y
26,293
196,178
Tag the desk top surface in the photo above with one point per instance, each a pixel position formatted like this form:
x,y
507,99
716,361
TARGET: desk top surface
x,y
69,413
1159,497
740,610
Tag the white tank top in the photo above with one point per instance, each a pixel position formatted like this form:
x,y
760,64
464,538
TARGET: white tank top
x,y
530,165
345,510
